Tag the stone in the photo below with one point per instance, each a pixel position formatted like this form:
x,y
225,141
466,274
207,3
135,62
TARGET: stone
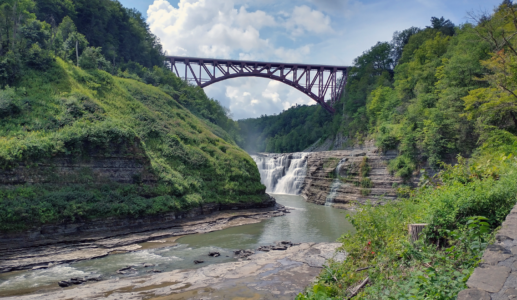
x,y
94,279
214,254
198,262
76,280
148,265
64,283
473,294
490,279
511,292
494,257
279,248
126,270
243,253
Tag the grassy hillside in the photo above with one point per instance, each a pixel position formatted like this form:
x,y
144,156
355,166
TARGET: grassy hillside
x,y
66,111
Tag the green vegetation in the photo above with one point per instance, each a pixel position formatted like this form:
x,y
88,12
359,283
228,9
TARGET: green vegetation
x,y
60,99
462,212
432,94
293,130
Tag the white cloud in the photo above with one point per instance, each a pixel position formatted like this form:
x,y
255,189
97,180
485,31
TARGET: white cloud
x,y
208,28
271,91
306,20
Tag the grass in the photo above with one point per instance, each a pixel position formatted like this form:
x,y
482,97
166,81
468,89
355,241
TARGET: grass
x,y
70,112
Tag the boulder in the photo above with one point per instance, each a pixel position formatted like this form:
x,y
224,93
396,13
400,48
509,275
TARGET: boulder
x,y
77,280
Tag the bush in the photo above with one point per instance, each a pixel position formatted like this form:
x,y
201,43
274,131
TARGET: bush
x,y
92,58
402,166
38,58
10,104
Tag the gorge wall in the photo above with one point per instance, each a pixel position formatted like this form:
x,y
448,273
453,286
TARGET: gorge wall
x,y
343,178
123,163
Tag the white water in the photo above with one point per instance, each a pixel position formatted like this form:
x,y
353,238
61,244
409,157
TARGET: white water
x,y
282,173
336,184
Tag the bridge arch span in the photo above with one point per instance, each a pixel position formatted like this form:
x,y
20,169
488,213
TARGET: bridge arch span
x,y
315,81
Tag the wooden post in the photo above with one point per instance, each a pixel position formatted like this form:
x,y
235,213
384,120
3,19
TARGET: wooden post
x,y
414,231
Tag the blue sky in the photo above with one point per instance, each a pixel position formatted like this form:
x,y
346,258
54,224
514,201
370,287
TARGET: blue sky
x,y
304,31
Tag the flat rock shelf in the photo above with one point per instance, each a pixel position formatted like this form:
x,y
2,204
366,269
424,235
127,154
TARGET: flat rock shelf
x,y
276,274
496,275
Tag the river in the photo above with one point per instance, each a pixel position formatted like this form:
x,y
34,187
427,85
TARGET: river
x,y
307,222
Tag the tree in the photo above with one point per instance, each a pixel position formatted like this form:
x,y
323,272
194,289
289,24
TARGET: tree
x,y
445,26
497,103
75,42
92,58
400,39
500,99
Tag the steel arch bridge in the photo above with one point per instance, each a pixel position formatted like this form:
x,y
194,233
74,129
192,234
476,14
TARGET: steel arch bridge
x,y
314,81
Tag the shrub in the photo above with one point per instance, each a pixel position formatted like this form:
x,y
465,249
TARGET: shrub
x,y
10,104
366,183
92,58
402,166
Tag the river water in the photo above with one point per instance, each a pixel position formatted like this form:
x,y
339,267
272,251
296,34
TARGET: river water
x,y
307,222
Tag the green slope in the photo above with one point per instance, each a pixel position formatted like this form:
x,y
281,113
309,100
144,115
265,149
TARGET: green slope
x,y
72,113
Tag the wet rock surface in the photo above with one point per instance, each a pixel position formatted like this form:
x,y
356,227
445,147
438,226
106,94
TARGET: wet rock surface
x,y
382,186
68,243
496,275
77,280
318,182
263,275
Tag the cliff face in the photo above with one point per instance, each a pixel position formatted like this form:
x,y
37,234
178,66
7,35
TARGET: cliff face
x,y
125,163
362,176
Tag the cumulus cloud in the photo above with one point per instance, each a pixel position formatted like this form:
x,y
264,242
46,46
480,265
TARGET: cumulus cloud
x,y
306,20
208,28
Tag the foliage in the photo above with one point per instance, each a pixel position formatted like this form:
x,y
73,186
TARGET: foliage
x,y
121,33
91,58
82,114
292,130
462,213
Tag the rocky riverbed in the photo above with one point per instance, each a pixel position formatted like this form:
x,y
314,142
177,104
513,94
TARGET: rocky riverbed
x,y
272,274
46,250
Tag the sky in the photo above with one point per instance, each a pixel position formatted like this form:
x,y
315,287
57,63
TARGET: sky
x,y
332,32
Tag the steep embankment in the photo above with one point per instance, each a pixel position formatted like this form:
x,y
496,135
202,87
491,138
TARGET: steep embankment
x,y
78,145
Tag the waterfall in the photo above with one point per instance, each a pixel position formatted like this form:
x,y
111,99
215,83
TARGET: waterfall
x,y
336,184
282,173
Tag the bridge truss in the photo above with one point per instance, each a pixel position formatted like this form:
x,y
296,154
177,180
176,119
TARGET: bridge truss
x,y
316,81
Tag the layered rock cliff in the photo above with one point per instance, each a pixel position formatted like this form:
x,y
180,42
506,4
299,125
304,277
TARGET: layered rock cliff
x,y
355,176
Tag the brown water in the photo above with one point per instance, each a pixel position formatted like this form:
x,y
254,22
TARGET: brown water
x,y
307,222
